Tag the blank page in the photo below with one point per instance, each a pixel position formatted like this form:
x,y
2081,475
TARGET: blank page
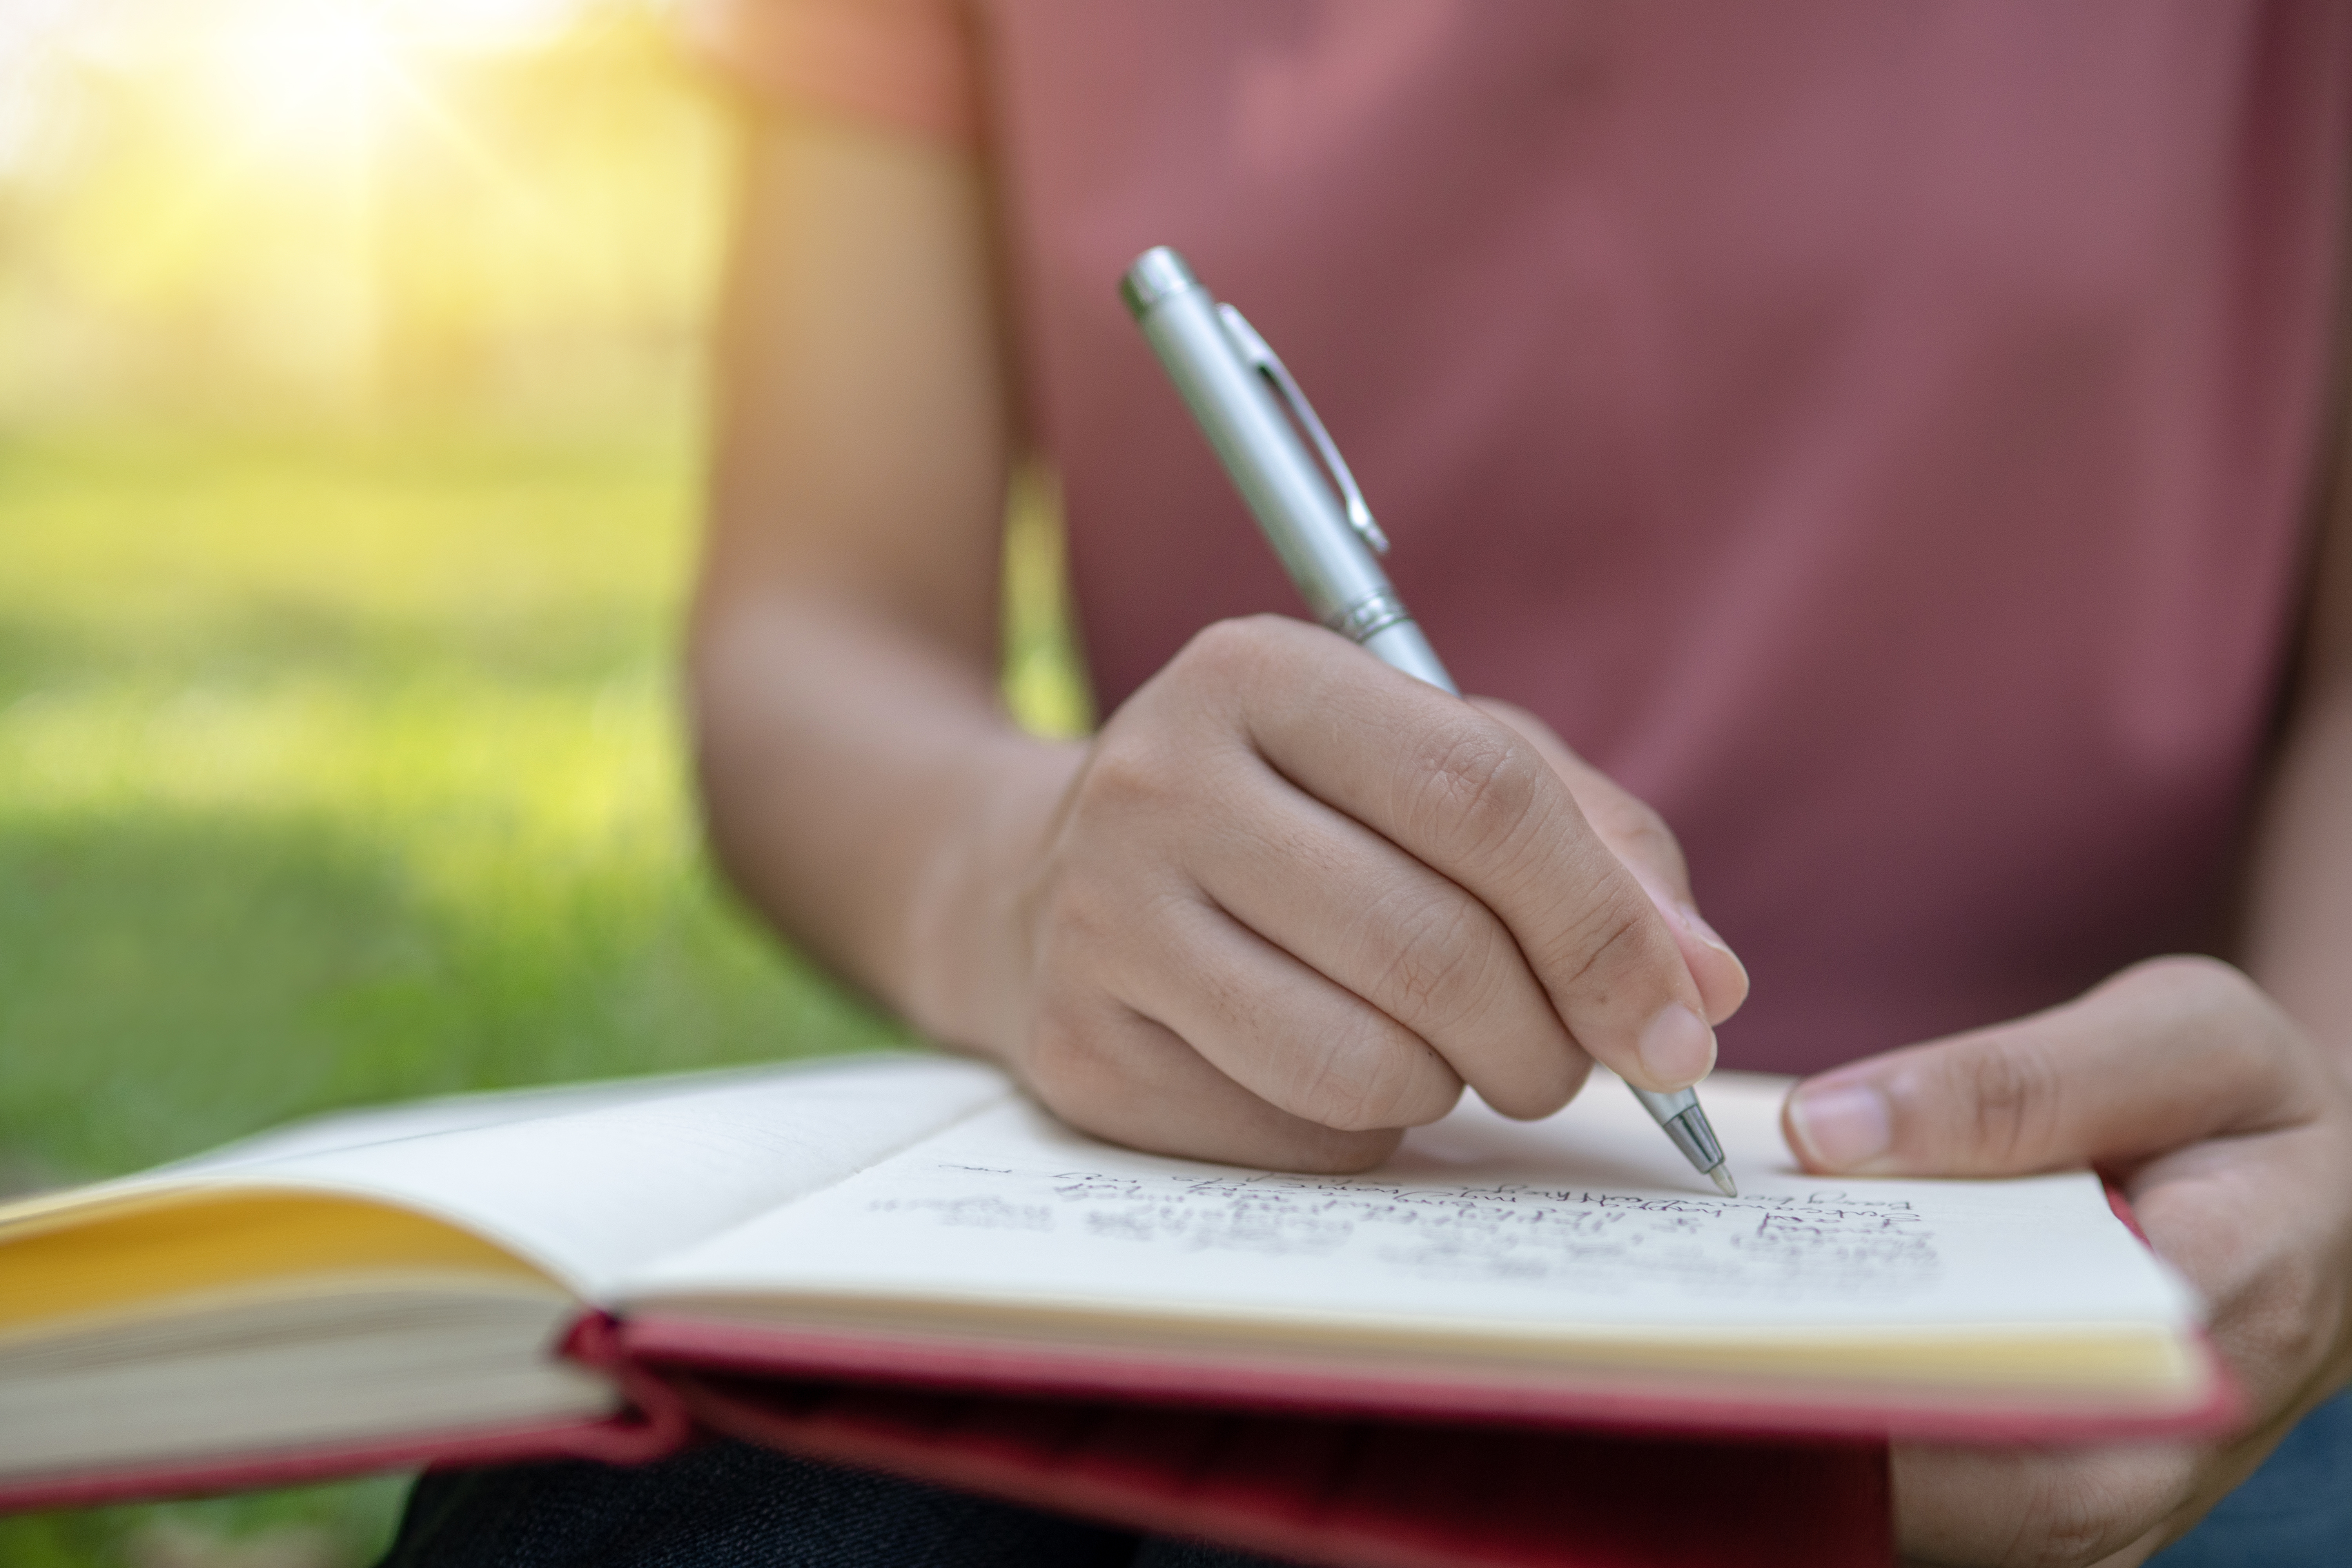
x,y
591,1183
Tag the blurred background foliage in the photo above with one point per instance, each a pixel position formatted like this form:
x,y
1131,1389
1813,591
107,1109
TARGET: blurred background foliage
x,y
349,418
458,209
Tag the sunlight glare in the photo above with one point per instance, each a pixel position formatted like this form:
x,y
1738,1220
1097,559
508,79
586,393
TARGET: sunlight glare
x,y
483,26
309,77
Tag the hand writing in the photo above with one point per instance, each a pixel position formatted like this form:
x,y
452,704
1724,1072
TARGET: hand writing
x,y
1290,902
2232,1133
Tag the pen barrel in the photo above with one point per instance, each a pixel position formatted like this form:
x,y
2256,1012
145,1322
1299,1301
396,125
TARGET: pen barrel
x,y
1678,1114
1296,508
1401,645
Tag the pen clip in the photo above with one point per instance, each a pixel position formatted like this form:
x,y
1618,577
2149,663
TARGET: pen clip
x,y
1262,358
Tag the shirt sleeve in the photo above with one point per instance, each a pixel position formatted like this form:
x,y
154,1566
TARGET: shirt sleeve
x,y
902,63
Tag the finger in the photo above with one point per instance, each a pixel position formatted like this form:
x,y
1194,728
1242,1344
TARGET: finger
x,y
2164,1054
1282,1031
1956,1504
1103,1066
1646,846
1469,797
1368,917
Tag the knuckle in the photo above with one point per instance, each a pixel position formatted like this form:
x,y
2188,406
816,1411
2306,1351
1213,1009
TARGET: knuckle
x,y
1426,950
1085,918
1479,792
1069,1062
1639,828
2191,969
1082,914
2063,1508
2221,999
1362,1082
1631,826
1607,944
1124,773
1224,650
2245,1038
2012,1101
2283,1317
2077,1517
2194,981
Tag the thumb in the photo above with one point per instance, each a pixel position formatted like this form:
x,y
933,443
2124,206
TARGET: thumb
x,y
2164,1054
1646,846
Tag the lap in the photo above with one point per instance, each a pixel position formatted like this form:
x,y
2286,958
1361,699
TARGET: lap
x,y
729,1505
2293,1512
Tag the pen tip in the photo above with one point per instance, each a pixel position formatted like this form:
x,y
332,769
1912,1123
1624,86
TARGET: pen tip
x,y
1721,1176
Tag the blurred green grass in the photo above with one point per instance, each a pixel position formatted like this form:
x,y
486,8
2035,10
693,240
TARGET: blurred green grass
x,y
337,769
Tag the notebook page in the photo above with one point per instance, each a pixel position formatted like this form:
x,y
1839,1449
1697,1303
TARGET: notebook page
x,y
1590,1218
591,1183
458,1113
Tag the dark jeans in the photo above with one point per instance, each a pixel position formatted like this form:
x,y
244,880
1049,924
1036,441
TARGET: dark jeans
x,y
2293,1512
729,1505
726,1505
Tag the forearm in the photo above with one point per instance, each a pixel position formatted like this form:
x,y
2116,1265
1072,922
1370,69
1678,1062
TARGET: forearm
x,y
2298,943
862,786
2298,915
843,639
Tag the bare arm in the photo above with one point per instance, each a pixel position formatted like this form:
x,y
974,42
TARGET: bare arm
x,y
2298,941
843,639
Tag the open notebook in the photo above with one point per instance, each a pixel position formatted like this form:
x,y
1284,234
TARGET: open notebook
x,y
562,1271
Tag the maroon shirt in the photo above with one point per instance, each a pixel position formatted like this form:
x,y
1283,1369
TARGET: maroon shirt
x,y
1878,435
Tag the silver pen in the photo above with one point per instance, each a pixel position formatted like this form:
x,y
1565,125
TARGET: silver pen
x,y
1239,392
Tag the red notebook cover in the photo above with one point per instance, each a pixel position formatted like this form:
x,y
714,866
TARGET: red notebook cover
x,y
1342,1491
1522,1397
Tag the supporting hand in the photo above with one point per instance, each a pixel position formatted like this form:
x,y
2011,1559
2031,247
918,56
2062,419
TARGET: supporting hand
x,y
2231,1131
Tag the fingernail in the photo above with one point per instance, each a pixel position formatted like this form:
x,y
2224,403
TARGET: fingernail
x,y
1841,1125
1677,1046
